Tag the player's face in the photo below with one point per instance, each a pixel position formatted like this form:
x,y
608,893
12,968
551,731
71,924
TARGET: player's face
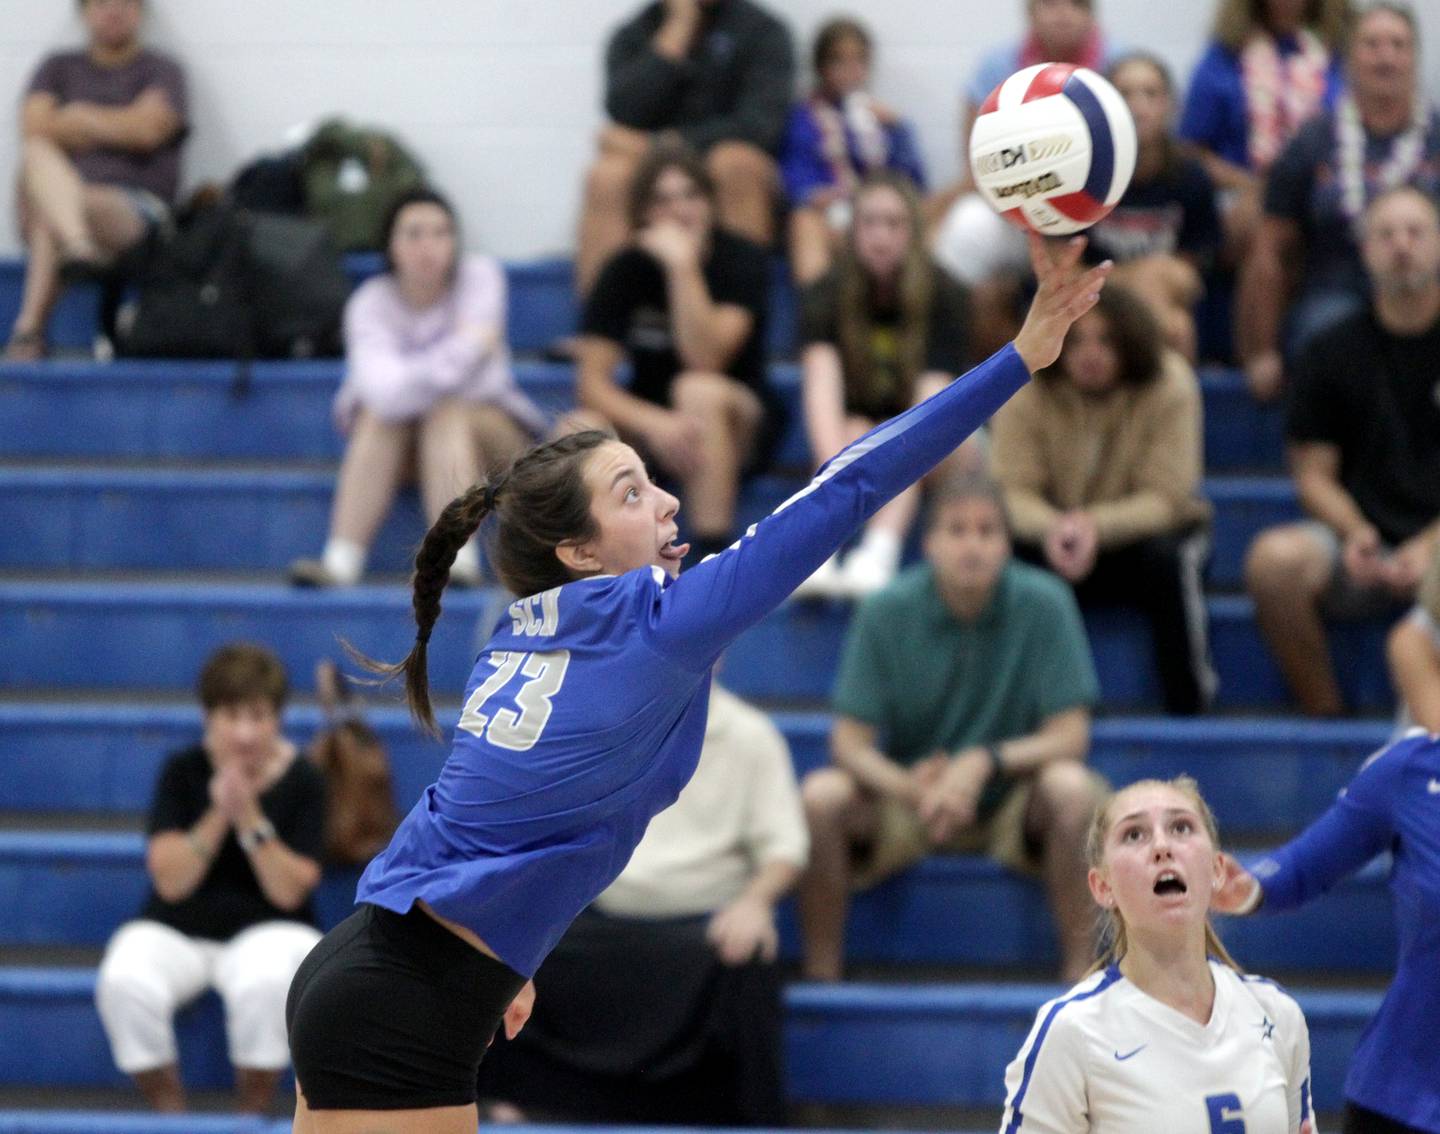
x,y
968,546
636,517
422,247
1061,25
676,198
244,733
882,231
1402,244
112,23
1148,98
847,67
1090,359
1382,57
1159,865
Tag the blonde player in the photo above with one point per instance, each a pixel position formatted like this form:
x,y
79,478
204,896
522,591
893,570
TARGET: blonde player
x,y
1166,1033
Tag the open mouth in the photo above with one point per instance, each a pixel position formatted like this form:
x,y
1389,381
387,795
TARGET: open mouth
x,y
1170,883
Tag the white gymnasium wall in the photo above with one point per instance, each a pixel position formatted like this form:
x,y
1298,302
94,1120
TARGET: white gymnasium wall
x,y
501,97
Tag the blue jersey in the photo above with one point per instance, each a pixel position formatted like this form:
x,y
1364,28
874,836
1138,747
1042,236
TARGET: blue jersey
x,y
586,710
1392,804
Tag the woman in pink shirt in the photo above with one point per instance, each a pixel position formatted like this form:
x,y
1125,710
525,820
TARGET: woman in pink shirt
x,y
427,386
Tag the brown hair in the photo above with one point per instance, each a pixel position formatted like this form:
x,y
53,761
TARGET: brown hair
x,y
966,486
1113,941
539,504
1134,332
1171,162
661,158
1237,20
855,314
239,673
835,31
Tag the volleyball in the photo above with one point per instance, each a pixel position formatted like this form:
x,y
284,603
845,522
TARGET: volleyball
x,y
1053,148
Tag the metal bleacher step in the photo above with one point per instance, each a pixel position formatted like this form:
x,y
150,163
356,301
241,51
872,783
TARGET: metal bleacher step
x,y
944,1045
156,636
69,517
166,410
68,888
98,757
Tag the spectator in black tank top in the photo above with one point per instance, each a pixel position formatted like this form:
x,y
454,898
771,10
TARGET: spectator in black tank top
x,y
235,834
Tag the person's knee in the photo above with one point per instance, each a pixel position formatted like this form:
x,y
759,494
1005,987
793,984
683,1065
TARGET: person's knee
x,y
741,166
701,393
1285,560
828,795
1068,793
608,180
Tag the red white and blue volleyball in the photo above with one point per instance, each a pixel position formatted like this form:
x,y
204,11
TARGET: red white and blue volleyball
x,y
1053,148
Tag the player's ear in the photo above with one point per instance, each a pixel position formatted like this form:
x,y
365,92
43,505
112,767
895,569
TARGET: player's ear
x,y
579,557
1100,888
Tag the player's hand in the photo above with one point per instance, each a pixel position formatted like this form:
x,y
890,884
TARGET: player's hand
x,y
744,930
1067,290
1239,890
1362,559
519,1010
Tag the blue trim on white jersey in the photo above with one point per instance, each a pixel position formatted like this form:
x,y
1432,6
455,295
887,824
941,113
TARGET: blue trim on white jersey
x,y
1112,975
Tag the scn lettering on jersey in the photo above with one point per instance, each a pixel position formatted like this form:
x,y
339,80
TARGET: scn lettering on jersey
x,y
537,616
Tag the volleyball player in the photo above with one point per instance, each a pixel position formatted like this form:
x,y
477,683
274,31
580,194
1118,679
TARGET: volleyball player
x,y
1392,804
1166,1033
582,719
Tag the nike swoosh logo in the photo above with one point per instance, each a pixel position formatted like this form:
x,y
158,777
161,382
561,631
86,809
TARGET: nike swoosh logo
x,y
1121,1058
1433,786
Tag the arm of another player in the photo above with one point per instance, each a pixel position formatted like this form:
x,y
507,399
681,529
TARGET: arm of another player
x,y
1355,828
710,605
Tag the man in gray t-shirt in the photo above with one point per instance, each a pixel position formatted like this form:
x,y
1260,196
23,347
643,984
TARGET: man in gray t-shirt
x,y
101,134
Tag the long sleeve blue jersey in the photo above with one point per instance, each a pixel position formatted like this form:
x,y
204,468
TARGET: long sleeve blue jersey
x,y
1392,804
586,710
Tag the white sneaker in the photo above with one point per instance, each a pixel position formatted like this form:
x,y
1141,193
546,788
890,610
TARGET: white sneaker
x,y
864,574
826,583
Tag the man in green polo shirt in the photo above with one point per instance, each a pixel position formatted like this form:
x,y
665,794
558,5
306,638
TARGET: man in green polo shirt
x,y
962,725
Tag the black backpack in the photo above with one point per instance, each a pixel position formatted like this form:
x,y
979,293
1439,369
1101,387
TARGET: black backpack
x,y
230,283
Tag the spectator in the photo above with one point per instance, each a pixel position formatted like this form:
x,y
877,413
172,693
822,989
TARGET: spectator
x,y
833,139
1364,445
1100,459
235,835
427,372
662,1002
715,74
1380,134
1271,66
883,330
100,158
962,725
1164,233
685,305
1414,650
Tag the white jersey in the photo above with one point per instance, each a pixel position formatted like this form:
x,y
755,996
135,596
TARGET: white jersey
x,y
1108,1059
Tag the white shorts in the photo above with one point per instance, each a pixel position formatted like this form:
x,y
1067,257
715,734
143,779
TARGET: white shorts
x,y
149,970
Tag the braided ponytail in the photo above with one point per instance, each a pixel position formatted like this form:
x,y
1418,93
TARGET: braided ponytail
x,y
459,520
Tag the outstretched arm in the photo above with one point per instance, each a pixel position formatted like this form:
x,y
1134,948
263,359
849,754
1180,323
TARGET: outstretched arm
x,y
710,605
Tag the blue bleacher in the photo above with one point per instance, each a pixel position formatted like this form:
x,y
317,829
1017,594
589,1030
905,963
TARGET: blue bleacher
x,y
149,512
917,1044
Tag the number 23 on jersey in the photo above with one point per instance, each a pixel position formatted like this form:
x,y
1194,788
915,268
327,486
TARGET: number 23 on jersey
x,y
519,728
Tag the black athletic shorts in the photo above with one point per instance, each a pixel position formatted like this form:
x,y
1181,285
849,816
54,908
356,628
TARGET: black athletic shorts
x,y
393,1011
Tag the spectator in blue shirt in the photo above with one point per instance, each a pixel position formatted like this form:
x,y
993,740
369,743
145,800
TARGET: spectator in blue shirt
x,y
833,139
